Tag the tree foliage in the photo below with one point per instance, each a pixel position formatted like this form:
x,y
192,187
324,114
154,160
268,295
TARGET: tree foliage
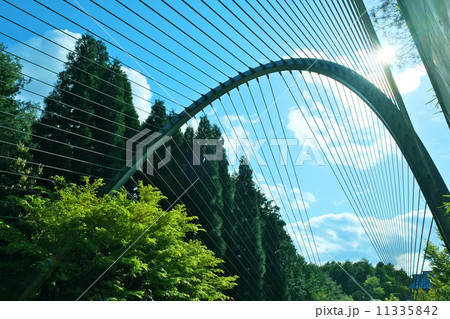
x,y
275,285
388,18
208,191
320,286
440,280
72,235
16,118
246,253
88,115
59,241
379,282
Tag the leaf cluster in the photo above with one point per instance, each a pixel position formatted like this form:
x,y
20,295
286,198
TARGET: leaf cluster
x,y
73,235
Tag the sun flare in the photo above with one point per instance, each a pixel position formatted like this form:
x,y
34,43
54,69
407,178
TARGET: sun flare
x,y
386,54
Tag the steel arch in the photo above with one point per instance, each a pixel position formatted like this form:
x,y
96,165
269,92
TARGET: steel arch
x,y
420,162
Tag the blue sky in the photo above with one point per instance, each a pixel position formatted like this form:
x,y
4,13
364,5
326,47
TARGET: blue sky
x,y
332,219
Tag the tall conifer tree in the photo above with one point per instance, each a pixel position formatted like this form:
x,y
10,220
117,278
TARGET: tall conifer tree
x,y
207,193
157,117
227,186
16,120
273,235
156,120
247,224
88,113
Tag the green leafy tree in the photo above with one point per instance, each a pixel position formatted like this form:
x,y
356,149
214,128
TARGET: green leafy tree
x,y
295,265
187,177
381,282
204,199
440,281
320,286
174,170
68,237
116,119
440,266
447,204
373,287
394,282
16,120
341,277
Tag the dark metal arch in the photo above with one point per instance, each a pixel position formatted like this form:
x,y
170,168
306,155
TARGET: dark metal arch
x,y
420,162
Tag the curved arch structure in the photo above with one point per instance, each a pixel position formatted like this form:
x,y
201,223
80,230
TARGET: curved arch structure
x,y
420,162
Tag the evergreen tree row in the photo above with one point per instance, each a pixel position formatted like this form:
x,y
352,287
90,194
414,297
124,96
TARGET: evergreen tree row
x,y
82,130
87,119
241,225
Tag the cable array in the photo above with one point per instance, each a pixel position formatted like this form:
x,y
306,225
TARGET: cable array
x,y
180,52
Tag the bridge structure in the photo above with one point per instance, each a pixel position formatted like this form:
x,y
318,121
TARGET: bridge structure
x,y
265,69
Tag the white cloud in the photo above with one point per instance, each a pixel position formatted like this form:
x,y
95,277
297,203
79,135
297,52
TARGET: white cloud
x,y
40,61
45,67
259,177
437,119
403,261
367,150
409,79
306,195
363,192
309,197
340,202
280,195
297,123
342,235
235,119
141,93
300,204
